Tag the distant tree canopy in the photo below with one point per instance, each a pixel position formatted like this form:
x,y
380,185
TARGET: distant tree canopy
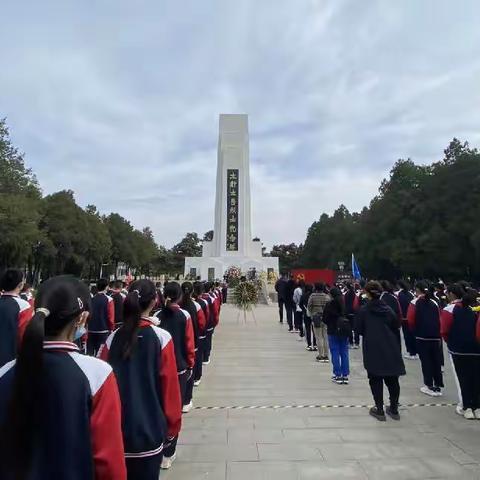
x,y
424,222
54,235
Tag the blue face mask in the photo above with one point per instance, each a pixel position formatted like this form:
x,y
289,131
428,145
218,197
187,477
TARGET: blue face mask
x,y
79,333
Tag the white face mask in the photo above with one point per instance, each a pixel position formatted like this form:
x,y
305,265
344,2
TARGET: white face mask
x,y
79,333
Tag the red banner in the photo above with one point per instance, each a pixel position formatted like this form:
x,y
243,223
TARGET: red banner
x,y
312,276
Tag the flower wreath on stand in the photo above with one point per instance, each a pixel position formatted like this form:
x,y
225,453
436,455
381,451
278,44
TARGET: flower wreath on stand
x,y
245,297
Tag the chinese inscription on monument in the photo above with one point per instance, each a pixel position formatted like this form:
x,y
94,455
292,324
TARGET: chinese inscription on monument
x,y
232,210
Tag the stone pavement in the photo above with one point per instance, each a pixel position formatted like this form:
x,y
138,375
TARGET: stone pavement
x,y
259,364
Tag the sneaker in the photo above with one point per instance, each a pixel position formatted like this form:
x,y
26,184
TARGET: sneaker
x,y
318,358
290,330
438,391
188,407
339,380
335,379
345,380
378,414
409,357
196,383
314,348
309,348
428,391
477,413
167,462
326,360
459,410
356,347
469,415
207,362
393,414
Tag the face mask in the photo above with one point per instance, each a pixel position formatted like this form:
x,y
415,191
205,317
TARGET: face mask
x,y
79,333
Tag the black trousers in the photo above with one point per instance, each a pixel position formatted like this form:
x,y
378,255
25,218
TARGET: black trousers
x,y
189,385
170,447
281,304
430,355
289,307
94,342
309,331
376,386
354,337
198,369
409,338
468,373
299,322
208,345
182,382
145,468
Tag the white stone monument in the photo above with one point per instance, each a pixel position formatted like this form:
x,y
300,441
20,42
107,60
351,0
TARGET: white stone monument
x,y
232,243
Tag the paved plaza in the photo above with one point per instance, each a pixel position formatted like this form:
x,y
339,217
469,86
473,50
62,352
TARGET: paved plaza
x,y
258,365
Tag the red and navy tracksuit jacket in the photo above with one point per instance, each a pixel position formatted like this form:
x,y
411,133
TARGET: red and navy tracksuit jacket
x,y
404,299
102,318
213,310
149,390
15,313
392,301
80,429
423,318
202,313
460,327
179,325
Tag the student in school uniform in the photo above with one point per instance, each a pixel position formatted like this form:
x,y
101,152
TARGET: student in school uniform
x,y
423,318
143,358
118,297
460,327
212,321
102,320
405,297
455,293
178,323
198,323
60,411
203,314
298,315
15,313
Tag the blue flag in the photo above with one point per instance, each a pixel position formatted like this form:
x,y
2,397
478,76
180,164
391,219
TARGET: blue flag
x,y
355,270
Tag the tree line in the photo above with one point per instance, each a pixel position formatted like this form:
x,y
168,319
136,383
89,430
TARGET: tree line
x,y
423,223
51,235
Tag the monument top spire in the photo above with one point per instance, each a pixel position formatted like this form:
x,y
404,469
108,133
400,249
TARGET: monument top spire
x,y
232,242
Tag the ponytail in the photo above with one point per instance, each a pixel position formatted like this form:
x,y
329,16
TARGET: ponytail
x,y
469,298
187,302
172,293
139,297
132,314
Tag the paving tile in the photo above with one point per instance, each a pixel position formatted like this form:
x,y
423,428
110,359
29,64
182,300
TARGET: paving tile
x,y
287,452
216,453
262,471
195,471
330,470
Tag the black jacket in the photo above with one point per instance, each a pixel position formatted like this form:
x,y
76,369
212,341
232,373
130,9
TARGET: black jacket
x,y
289,289
332,312
281,288
382,355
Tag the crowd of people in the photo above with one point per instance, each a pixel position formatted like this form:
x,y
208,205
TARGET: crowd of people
x,y
93,384
333,319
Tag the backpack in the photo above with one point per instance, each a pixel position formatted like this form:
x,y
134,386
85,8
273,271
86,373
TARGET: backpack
x,y
344,327
317,320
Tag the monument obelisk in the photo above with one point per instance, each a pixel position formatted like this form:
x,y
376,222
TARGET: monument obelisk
x,y
232,243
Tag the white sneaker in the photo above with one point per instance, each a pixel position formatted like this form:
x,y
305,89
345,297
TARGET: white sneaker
x,y
188,407
477,413
167,462
459,410
438,393
196,383
207,362
469,415
427,391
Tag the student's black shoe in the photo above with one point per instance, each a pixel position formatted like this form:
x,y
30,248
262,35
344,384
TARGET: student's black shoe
x,y
336,379
378,414
318,358
345,380
393,414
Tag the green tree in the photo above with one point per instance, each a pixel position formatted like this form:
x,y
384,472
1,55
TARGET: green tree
x,y
288,255
99,244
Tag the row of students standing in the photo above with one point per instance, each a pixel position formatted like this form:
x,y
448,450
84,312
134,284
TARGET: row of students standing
x,y
68,415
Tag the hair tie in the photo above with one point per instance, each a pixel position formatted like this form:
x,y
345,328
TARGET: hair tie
x,y
137,292
45,311
168,299
80,303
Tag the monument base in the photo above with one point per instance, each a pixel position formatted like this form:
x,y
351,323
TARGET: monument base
x,y
214,268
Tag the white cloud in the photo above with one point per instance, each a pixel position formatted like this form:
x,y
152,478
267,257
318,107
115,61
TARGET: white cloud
x,y
120,101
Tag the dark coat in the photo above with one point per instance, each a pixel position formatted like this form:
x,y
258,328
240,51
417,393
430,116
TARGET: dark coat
x,y
281,288
290,288
382,355
332,312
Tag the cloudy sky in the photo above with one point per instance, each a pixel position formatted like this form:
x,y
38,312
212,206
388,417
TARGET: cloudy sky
x,y
119,100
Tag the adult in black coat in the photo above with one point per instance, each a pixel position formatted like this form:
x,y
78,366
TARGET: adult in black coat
x,y
289,303
382,356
